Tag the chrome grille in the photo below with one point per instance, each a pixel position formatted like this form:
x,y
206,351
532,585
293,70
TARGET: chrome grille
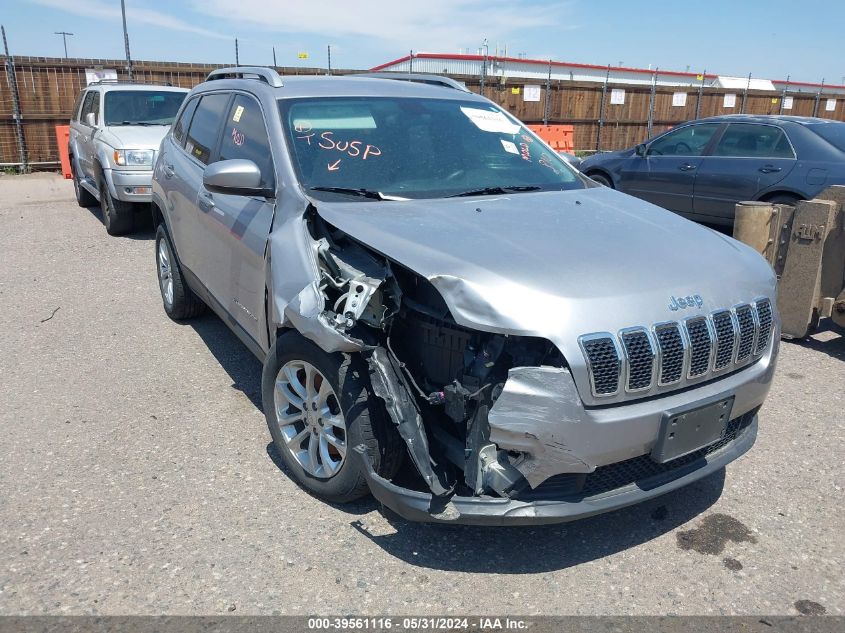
x,y
604,363
637,359
641,358
745,320
701,346
670,341
723,324
764,318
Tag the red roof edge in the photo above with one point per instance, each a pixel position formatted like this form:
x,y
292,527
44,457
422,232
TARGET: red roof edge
x,y
546,62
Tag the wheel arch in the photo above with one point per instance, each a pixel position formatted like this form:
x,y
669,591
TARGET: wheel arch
x,y
781,191
602,172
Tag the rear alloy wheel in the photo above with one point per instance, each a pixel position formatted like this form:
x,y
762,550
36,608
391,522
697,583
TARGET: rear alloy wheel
x,y
602,180
118,216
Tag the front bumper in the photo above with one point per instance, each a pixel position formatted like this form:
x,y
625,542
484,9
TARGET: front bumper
x,y
419,506
123,184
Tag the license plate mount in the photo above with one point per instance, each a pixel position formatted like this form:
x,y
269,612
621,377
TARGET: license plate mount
x,y
685,431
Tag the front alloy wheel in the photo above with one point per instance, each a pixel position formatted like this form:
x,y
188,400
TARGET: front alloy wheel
x,y
310,419
165,273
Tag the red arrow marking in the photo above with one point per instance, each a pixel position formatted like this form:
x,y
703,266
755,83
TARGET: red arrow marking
x,y
334,166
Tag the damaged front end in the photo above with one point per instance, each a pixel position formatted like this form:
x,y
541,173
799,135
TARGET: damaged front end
x,y
439,381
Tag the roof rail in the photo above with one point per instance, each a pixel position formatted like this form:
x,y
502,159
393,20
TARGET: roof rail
x,y
261,73
422,78
106,82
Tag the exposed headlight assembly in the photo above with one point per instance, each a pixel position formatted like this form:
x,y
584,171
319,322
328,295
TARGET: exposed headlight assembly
x,y
133,157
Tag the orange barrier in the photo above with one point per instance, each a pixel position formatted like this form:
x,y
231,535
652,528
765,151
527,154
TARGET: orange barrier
x,y
62,140
560,137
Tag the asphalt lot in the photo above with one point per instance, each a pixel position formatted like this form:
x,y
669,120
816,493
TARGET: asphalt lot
x,y
136,475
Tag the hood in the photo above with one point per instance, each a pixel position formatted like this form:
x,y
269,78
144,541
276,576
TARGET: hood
x,y
558,264
135,136
603,156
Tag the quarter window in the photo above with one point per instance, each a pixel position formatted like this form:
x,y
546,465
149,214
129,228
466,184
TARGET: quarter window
x,y
180,130
245,137
687,141
91,104
205,127
750,140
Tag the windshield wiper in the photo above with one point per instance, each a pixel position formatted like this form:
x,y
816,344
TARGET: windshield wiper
x,y
138,123
361,193
496,191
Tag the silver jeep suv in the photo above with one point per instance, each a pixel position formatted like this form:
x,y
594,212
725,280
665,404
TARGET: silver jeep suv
x,y
449,316
115,131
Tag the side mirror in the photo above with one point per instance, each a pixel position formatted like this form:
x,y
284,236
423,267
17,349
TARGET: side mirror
x,y
640,150
91,119
235,177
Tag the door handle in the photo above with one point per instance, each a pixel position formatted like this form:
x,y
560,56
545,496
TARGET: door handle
x,y
205,201
686,167
769,169
168,171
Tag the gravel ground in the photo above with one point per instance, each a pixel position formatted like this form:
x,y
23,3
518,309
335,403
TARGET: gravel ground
x,y
136,475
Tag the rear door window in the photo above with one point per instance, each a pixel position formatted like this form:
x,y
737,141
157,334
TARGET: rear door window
x,y
205,127
180,130
751,140
245,137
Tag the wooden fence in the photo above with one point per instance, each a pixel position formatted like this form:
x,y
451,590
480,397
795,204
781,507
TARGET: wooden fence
x,y
47,89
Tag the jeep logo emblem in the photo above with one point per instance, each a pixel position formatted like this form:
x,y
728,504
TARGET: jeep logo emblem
x,y
690,301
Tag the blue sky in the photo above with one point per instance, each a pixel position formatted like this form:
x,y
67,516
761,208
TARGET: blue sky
x,y
770,39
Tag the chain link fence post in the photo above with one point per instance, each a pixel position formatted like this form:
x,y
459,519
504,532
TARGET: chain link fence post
x,y
16,106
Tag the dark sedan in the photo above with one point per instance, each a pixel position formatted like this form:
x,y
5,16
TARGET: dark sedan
x,y
701,169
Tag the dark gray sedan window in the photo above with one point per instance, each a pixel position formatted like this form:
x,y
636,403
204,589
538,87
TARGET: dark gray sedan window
x,y
417,148
749,140
686,141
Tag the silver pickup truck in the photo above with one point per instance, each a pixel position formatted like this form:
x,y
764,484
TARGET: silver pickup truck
x,y
115,131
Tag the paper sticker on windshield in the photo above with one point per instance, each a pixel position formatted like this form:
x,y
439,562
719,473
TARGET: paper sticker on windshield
x,y
238,112
509,147
490,121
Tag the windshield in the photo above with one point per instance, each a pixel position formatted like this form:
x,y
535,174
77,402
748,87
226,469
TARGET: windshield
x,y
388,148
833,133
142,107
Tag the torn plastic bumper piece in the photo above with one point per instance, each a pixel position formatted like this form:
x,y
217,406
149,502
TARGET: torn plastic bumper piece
x,y
417,506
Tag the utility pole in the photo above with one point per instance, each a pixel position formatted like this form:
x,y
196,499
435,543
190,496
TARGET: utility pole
x,y
64,35
237,59
329,47
126,39
410,61
274,57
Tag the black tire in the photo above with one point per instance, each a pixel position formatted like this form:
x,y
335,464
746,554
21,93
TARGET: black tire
x,y
84,198
366,420
184,304
118,216
602,180
783,198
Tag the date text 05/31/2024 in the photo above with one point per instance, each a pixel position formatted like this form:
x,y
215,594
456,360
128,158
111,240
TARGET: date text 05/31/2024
x,y
416,623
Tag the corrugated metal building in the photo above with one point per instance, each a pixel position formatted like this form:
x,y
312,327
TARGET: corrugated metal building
x,y
498,66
